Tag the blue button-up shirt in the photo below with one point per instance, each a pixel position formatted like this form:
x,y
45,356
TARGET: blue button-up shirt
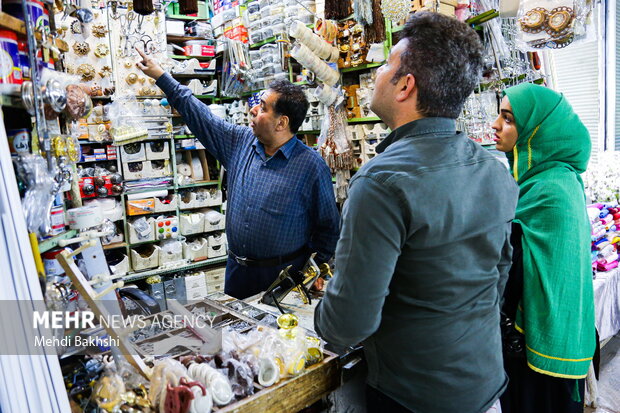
x,y
277,204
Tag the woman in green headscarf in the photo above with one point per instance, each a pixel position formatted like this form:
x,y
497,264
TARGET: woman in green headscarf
x,y
549,295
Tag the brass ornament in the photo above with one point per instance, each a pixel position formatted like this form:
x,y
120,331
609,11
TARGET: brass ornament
x,y
128,64
81,48
99,30
105,71
534,20
76,27
145,91
131,78
87,71
102,50
559,19
96,90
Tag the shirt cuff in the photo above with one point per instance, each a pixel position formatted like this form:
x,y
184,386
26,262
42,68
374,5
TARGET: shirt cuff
x,y
166,83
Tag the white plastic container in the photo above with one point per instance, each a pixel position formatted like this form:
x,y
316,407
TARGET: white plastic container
x,y
192,223
214,220
122,267
196,250
145,234
142,263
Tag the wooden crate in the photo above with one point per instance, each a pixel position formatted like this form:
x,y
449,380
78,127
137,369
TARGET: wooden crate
x,y
294,394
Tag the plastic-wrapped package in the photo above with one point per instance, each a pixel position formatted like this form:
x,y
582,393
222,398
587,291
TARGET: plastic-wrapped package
x,y
42,189
126,123
552,24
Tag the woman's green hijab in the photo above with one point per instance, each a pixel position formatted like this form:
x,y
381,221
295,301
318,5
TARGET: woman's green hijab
x,y
556,312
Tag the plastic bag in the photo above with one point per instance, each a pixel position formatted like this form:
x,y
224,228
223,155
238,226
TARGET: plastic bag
x,y
552,24
127,124
42,189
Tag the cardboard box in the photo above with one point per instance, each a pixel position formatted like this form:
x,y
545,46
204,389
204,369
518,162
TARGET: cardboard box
x,y
153,155
140,206
140,155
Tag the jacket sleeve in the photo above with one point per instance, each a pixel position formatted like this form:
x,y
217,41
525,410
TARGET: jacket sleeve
x,y
325,216
373,232
219,137
505,262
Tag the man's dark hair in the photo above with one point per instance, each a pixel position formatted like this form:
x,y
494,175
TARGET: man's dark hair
x,y
291,102
445,57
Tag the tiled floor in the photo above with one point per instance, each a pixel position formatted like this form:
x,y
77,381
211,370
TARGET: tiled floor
x,y
609,380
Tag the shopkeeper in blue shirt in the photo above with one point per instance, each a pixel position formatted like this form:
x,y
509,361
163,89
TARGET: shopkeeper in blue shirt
x,y
281,204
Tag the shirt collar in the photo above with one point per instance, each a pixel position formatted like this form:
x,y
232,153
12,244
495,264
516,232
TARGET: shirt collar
x,y
418,127
286,149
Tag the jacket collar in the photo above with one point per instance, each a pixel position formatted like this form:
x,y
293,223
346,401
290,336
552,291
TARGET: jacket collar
x,y
418,127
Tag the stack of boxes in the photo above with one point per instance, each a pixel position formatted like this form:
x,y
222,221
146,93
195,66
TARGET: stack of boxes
x,y
605,222
268,18
228,22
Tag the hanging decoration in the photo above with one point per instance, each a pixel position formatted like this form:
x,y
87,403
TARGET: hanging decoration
x,y
337,9
143,7
335,148
395,10
375,30
362,11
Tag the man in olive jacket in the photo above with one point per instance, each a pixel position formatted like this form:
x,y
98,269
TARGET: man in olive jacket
x,y
424,248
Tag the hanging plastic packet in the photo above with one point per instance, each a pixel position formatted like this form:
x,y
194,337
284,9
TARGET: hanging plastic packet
x,y
237,73
552,24
40,193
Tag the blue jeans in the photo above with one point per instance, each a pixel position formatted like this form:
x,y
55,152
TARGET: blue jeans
x,y
243,282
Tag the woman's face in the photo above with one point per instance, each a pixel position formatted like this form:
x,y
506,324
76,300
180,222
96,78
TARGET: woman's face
x,y
505,127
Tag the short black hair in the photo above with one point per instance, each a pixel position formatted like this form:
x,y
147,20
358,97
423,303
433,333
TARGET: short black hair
x,y
291,102
445,56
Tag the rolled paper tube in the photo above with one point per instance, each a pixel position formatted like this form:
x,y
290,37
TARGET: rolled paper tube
x,y
184,169
616,216
604,213
607,219
599,234
598,205
607,260
151,194
605,244
616,240
607,267
606,251
608,257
